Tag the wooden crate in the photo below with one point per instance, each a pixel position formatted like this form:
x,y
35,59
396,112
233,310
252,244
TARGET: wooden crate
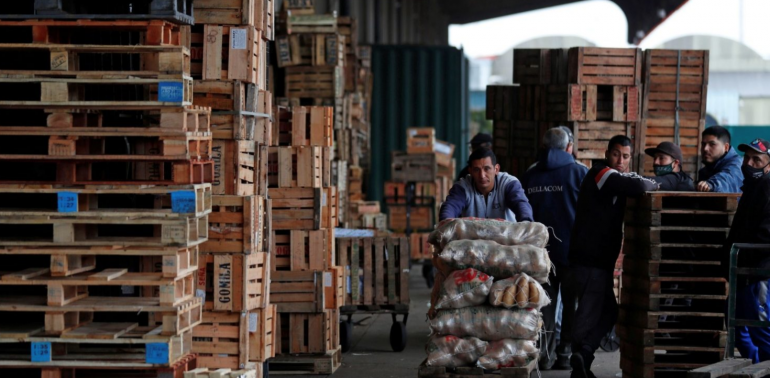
x,y
299,250
420,140
424,192
419,246
234,340
314,82
227,53
540,66
296,167
303,333
420,218
257,13
234,282
311,23
377,221
311,49
235,105
586,102
236,225
303,208
235,167
376,270
605,66
311,291
307,126
518,139
102,369
413,167
591,138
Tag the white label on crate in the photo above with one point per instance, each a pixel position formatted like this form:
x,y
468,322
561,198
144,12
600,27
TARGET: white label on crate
x,y
323,198
442,148
253,320
127,290
412,132
327,279
200,293
238,39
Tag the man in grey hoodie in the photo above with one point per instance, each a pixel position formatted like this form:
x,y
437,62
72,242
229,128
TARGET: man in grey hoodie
x,y
486,192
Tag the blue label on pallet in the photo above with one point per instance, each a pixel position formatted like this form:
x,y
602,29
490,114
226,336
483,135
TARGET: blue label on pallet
x,y
183,201
156,353
170,91
41,352
68,202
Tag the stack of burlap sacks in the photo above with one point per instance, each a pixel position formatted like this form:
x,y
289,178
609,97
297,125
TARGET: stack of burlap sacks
x,y
487,296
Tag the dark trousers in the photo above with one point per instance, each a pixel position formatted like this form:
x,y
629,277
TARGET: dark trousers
x,y
597,309
557,282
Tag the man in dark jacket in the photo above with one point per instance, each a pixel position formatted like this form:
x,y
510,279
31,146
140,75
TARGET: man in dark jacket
x,y
552,186
486,193
721,170
481,140
751,224
668,168
594,247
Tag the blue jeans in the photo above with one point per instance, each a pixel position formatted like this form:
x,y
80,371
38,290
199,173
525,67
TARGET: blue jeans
x,y
753,342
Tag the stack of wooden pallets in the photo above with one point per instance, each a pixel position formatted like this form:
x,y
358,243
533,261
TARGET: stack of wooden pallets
x,y
674,291
105,172
320,65
229,64
599,93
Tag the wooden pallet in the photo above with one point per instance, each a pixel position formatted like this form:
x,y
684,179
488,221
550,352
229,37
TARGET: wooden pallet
x,y
97,93
235,167
539,66
695,265
605,66
56,60
324,364
250,371
672,337
161,122
304,126
145,202
75,230
152,32
233,340
671,354
62,290
236,225
102,345
462,372
37,144
314,82
376,270
227,53
307,292
180,12
173,319
234,282
303,250
241,110
671,319
303,208
96,369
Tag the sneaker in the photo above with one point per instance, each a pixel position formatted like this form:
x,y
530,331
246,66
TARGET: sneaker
x,y
562,362
578,368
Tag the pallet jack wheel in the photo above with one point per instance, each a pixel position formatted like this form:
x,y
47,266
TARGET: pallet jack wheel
x,y
610,342
398,334
346,335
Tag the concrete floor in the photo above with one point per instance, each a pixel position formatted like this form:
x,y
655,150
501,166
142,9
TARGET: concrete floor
x,y
371,355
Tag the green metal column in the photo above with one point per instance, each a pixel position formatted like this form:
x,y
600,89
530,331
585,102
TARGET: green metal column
x,y
416,86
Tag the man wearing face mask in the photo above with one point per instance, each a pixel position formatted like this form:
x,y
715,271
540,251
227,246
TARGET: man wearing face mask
x,y
751,224
668,168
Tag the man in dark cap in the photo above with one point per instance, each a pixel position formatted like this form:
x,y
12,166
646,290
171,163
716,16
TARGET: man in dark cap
x,y
668,168
751,224
481,140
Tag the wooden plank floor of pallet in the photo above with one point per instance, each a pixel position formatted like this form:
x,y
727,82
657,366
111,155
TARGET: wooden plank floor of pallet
x,y
306,364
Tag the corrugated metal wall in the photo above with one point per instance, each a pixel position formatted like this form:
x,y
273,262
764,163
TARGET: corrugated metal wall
x,y
416,86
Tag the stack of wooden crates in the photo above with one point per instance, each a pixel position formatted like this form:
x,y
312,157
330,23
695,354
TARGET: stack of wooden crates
x,y
229,52
674,291
105,191
307,285
322,65
420,181
599,93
